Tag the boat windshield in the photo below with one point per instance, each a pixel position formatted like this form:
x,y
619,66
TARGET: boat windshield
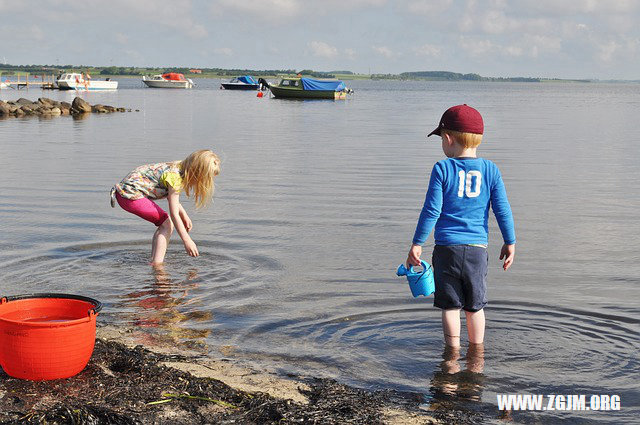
x,y
290,83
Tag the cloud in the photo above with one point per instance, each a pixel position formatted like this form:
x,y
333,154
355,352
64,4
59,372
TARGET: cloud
x,y
427,50
276,12
475,46
350,54
384,51
513,51
543,43
576,7
174,14
34,32
607,50
321,49
226,51
121,38
427,7
272,10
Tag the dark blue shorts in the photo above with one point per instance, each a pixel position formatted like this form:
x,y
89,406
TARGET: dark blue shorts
x,y
460,273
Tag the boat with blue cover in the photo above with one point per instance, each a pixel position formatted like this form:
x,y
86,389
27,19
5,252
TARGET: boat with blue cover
x,y
245,82
309,88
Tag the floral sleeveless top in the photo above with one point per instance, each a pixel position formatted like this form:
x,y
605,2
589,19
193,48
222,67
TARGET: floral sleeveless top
x,y
151,181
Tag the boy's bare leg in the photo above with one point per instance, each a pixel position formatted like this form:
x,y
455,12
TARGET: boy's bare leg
x,y
451,327
475,326
161,241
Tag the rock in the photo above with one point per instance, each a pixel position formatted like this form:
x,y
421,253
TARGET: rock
x,y
80,105
5,109
46,108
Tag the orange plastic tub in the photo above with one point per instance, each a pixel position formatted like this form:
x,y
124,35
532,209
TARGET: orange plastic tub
x,y
46,336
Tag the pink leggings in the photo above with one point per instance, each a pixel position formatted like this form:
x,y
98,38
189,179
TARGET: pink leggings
x,y
144,208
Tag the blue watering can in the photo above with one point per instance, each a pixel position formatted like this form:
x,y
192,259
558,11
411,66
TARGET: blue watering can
x,y
421,283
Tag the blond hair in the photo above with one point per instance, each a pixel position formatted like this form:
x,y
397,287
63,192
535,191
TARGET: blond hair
x,y
467,140
198,171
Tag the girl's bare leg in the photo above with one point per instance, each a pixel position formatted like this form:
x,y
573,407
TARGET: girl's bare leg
x,y
475,326
161,241
451,327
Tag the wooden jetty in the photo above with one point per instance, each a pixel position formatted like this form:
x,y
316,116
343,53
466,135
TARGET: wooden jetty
x,y
47,82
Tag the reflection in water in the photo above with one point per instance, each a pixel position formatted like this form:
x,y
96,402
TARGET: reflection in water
x,y
161,312
81,116
451,384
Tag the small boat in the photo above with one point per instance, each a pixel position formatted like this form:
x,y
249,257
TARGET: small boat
x,y
4,85
169,80
81,82
308,88
245,82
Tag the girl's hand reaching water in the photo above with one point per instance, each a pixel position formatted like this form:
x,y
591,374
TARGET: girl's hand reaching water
x,y
191,248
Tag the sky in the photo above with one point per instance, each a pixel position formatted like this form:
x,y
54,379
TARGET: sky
x,y
594,39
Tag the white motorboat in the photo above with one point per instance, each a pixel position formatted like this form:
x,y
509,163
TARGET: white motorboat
x,y
170,80
81,82
4,85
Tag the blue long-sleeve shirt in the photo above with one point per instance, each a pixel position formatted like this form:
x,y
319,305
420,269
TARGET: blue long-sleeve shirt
x,y
457,203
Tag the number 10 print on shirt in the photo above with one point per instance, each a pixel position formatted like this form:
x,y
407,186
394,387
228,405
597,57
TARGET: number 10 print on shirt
x,y
470,183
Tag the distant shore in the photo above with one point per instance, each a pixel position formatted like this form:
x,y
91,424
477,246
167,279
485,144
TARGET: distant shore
x,y
7,71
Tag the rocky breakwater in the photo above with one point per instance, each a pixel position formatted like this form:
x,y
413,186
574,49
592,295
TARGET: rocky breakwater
x,y
48,108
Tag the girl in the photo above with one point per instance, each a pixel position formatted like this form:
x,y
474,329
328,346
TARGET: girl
x,y
136,192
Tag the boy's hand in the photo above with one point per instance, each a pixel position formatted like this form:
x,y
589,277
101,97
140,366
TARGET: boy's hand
x,y
413,259
191,248
507,252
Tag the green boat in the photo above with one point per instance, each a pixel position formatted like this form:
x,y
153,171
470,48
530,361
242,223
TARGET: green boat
x,y
308,88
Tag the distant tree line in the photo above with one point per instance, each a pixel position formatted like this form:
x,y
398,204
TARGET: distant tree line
x,y
454,76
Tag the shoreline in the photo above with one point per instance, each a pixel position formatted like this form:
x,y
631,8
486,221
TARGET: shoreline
x,y
125,383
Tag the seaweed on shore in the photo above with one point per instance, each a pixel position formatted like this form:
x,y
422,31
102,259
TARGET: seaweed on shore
x,y
130,386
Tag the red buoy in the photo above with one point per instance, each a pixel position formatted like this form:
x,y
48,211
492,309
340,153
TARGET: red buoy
x,y
260,94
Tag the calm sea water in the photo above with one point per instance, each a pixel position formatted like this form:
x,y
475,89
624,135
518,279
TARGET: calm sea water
x,y
314,210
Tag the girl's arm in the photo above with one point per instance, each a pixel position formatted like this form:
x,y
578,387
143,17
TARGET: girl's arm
x,y
174,213
185,219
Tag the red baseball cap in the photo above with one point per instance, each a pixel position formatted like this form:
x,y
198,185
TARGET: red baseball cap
x,y
462,118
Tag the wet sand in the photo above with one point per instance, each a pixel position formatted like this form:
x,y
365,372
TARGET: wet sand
x,y
126,384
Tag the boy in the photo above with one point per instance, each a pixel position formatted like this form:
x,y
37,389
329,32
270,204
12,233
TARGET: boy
x,y
460,191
